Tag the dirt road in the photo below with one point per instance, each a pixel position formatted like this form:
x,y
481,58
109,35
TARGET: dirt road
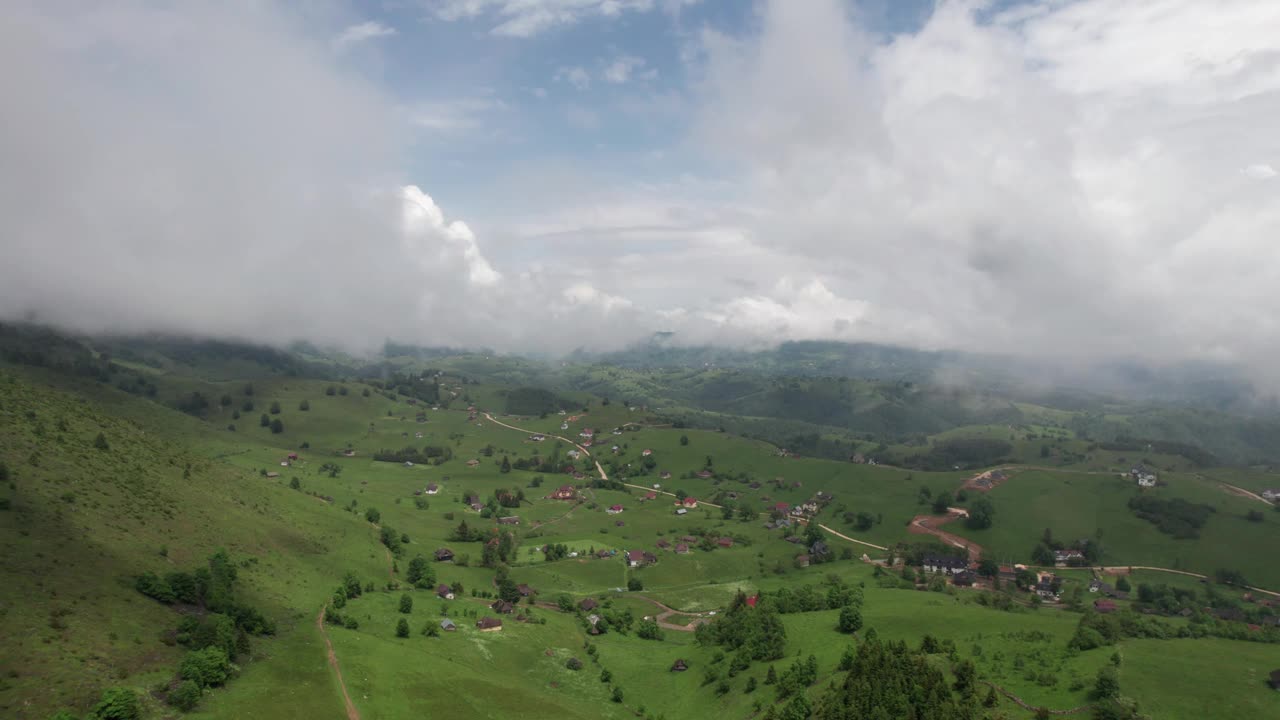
x,y
928,525
846,537
352,713
1241,492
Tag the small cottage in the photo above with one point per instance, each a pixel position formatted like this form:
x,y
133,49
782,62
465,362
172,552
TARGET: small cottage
x,y
488,624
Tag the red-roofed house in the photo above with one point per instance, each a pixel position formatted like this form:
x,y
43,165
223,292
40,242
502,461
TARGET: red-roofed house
x,y
689,502
614,509
781,507
751,601
725,542
651,496
646,452
566,492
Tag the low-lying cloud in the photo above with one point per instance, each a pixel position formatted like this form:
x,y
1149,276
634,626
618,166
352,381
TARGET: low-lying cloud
x,y
1084,179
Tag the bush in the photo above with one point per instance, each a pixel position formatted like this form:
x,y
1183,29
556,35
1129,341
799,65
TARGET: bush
x,y
304,406
573,664
406,603
635,585
402,628
207,667
186,696
117,704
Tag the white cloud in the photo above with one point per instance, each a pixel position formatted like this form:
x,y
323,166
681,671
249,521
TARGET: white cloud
x,y
526,18
622,68
1260,171
455,115
575,75
361,32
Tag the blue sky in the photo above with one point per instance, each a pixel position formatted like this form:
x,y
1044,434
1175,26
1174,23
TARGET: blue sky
x,y
1078,178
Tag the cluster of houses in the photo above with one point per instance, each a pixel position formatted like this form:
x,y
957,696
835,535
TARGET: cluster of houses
x,y
684,506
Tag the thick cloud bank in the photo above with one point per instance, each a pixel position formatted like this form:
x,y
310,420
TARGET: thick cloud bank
x,y
1085,179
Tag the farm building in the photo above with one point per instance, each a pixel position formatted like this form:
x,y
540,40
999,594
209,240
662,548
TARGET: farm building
x,y
473,463
432,488
704,474
725,542
588,604
566,492
509,520
447,625
947,565
502,607
444,591
526,591
1143,475
802,561
1104,606
444,555
646,452
488,624
964,578
682,549
681,666
1063,558
614,509
640,558
689,502
681,511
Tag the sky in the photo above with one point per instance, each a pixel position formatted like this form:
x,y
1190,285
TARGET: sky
x,y
1078,178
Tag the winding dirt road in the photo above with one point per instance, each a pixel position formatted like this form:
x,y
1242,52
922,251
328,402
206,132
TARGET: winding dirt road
x,y
928,525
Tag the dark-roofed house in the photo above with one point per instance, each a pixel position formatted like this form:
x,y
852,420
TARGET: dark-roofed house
x,y
488,624
664,545
725,542
1104,606
432,488
964,578
444,591
509,520
502,607
526,591
588,604
444,555
947,565
802,561
682,549
447,625
681,666
566,492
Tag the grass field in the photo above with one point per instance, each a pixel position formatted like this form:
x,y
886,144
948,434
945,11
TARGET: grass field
x,y
81,522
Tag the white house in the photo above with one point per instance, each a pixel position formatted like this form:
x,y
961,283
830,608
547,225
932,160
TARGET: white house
x,y
1272,494
945,565
432,488
1144,476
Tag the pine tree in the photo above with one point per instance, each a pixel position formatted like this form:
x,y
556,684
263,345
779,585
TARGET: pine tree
x,y
100,442
402,628
406,603
771,677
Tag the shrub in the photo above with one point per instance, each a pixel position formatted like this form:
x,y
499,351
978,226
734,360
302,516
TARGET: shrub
x,y
402,628
117,704
573,663
186,696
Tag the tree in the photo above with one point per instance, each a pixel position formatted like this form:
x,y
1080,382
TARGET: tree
x,y
606,676
420,574
988,568
751,685
117,703
351,586
294,483
617,695
364,392
372,515
264,421
402,628
941,503
304,406
684,439
990,700
100,442
248,389
850,619
331,469
635,584
1123,585
771,677
573,663
275,407
207,668
185,697
506,465
406,603
981,514
1107,684
330,390
277,427
226,400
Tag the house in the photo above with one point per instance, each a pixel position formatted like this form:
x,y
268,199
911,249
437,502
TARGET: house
x,y
665,475
488,624
1144,476
664,545
348,453
574,454
614,509
444,591
432,488
566,492
594,620
682,549
704,474
477,506
802,561
273,475
651,495
447,625
293,456
946,565
1272,494
681,666
473,463
564,426
689,502
725,542
509,520
1102,587
964,578
588,604
819,549
526,591
681,511
444,555
781,507
640,558
1047,588
1063,558
1104,606
644,453
587,433
502,607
